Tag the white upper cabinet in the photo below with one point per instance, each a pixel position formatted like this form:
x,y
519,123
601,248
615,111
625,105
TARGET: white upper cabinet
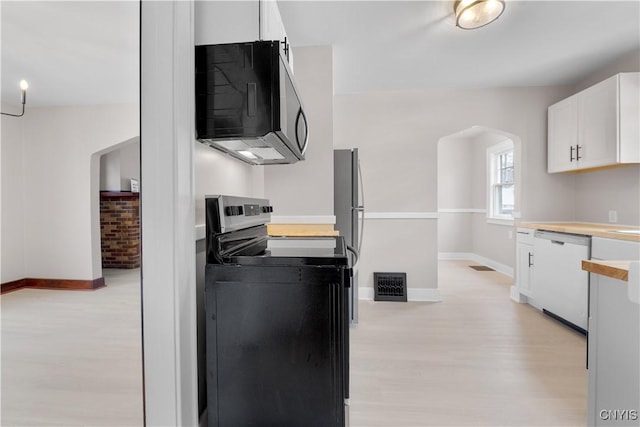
x,y
597,143
272,27
219,22
271,24
596,127
563,135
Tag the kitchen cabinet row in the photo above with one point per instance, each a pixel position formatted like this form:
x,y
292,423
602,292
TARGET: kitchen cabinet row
x,y
549,273
597,127
606,308
549,268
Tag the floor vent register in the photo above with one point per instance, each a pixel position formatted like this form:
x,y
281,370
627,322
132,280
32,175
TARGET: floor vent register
x,y
390,287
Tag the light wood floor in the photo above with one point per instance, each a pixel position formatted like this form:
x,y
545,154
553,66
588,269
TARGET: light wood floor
x,y
72,358
477,358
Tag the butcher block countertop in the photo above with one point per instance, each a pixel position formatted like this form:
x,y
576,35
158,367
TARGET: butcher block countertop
x,y
586,228
614,269
301,230
291,230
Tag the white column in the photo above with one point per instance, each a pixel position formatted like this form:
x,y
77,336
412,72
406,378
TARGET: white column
x,y
167,208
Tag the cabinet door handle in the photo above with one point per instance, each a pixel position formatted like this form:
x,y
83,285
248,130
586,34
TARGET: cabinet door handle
x,y
557,242
286,47
578,152
530,256
571,153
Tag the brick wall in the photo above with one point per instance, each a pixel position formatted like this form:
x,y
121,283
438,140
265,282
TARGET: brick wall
x,y
120,229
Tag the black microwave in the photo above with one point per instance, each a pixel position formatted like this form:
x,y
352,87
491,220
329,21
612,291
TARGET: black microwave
x,y
247,104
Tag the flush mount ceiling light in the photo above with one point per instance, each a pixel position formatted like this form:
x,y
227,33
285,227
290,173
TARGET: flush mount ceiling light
x,y
471,14
23,98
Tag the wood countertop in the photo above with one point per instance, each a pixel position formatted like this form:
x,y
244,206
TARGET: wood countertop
x,y
587,229
614,269
301,230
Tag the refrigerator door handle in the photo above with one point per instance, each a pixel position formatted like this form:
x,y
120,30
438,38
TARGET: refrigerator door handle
x,y
360,208
355,254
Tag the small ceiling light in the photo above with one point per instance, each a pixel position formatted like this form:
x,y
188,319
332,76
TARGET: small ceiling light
x,y
23,98
471,14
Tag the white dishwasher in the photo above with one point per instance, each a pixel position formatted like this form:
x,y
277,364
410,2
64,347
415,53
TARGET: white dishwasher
x,y
562,287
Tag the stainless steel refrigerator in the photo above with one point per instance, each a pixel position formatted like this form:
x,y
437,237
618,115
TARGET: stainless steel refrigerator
x,y
347,206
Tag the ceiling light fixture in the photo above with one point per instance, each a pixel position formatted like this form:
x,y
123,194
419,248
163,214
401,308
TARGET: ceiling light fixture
x,y
23,98
471,14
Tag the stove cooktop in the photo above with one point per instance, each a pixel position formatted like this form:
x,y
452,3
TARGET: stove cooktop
x,y
295,251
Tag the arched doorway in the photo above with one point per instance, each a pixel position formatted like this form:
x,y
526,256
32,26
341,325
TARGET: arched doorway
x,y
468,227
112,170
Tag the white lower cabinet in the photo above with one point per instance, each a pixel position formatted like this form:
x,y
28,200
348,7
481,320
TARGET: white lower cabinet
x,y
614,342
614,354
524,261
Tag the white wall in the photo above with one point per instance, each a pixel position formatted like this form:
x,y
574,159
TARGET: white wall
x,y
455,189
129,164
306,188
110,171
455,232
397,134
616,189
12,254
455,173
118,166
218,173
61,182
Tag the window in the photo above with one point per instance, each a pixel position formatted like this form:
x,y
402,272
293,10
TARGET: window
x,y
501,181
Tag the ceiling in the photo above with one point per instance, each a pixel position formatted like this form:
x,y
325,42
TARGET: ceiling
x,y
408,45
87,52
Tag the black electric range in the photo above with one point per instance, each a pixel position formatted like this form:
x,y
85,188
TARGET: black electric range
x,y
277,334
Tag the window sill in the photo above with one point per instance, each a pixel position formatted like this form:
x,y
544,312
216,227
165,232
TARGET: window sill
x,y
500,221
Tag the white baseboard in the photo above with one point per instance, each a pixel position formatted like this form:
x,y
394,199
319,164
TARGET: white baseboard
x,y
365,293
499,267
456,255
517,296
413,294
423,294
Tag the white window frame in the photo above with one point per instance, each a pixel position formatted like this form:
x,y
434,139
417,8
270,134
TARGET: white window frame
x,y
493,157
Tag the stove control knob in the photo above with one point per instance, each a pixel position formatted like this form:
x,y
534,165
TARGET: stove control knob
x,y
267,209
234,210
